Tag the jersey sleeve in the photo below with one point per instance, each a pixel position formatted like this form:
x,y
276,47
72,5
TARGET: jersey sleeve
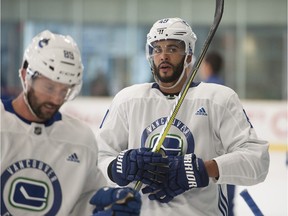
x,y
112,137
246,161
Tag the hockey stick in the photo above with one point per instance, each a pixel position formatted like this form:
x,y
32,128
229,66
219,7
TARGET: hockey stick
x,y
217,18
250,202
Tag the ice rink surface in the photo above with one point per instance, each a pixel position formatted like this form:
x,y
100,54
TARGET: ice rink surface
x,y
271,195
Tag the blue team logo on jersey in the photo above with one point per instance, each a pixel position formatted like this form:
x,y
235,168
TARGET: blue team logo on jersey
x,y
30,194
173,144
180,141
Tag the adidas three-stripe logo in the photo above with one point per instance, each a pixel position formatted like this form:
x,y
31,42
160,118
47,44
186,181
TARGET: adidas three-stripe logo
x,y
201,111
73,157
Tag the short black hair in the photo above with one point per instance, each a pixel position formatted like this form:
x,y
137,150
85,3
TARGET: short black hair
x,y
215,60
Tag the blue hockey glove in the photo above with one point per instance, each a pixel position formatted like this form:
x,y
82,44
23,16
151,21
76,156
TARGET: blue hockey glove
x,y
139,164
185,172
116,202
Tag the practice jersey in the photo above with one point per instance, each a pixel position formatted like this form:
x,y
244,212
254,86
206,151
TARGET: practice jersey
x,y
47,169
211,123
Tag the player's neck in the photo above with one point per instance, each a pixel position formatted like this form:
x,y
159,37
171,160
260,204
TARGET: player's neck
x,y
175,90
170,91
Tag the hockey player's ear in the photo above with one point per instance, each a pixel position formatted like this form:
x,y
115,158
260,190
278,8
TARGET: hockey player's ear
x,y
22,73
22,76
189,59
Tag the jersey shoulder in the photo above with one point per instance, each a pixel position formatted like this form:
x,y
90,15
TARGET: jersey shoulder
x,y
79,130
133,92
214,92
10,120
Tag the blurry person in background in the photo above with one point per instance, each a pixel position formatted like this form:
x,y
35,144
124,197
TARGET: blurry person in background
x,y
99,85
211,67
49,159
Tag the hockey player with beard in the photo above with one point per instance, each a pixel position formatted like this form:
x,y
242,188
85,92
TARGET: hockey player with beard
x,y
48,159
210,144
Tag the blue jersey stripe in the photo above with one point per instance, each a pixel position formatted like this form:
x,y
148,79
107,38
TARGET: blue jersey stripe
x,y
222,202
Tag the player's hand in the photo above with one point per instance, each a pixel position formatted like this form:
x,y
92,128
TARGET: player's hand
x,y
139,165
185,172
116,202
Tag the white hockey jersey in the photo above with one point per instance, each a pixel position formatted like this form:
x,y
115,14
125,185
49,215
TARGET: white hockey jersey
x,y
210,123
47,169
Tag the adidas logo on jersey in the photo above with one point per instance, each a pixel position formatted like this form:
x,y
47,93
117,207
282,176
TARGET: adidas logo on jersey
x,y
73,158
201,111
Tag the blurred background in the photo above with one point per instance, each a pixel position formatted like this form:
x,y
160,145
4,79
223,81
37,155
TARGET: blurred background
x,y
252,38
111,34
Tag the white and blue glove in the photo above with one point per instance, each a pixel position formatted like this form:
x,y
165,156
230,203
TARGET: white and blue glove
x,y
185,172
116,202
139,165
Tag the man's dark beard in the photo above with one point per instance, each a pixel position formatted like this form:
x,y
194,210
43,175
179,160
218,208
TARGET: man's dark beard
x,y
177,71
36,107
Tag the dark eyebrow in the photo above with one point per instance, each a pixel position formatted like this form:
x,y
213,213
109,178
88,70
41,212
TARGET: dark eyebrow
x,y
172,45
169,45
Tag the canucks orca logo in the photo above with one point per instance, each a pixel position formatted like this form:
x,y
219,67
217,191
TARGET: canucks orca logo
x,y
20,193
179,141
43,42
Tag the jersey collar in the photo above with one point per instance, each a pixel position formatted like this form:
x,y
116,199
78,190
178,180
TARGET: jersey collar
x,y
156,86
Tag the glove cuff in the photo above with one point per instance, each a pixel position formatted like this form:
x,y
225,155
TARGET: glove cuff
x,y
109,170
117,169
196,173
203,172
